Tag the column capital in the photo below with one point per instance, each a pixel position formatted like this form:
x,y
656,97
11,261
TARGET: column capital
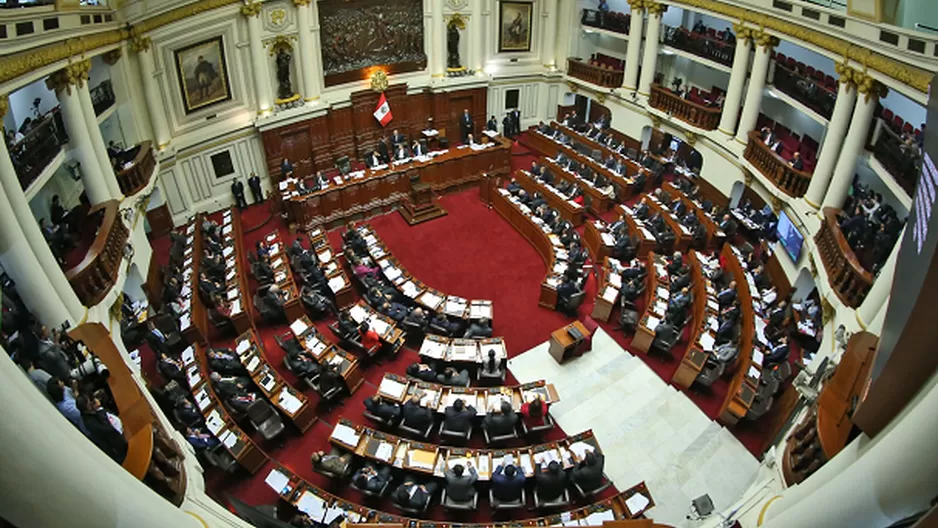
x,y
301,3
75,74
655,8
141,44
864,82
763,39
4,104
742,32
637,5
252,10
111,57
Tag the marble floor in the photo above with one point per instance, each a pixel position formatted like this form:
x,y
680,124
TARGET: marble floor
x,y
648,429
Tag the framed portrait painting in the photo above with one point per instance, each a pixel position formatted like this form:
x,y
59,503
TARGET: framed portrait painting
x,y
514,26
203,74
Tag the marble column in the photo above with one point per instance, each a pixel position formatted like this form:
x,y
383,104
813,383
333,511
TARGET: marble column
x,y
760,69
67,83
38,247
833,139
259,64
734,92
566,11
650,58
309,60
97,140
438,42
882,285
151,91
549,34
486,35
630,81
868,94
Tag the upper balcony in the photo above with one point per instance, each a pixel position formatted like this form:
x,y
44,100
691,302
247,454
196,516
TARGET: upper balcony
x,y
136,168
601,70
778,170
696,110
97,273
608,20
26,24
900,156
810,87
33,151
716,46
849,279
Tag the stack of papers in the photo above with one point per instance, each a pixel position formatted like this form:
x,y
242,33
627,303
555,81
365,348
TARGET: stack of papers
x,y
346,435
392,388
289,402
336,283
652,323
637,504
277,481
298,327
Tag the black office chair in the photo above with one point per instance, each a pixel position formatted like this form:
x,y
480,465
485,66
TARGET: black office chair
x,y
332,474
537,430
664,347
269,315
219,457
344,165
414,432
457,436
628,316
500,439
589,494
571,305
263,417
561,501
369,493
386,422
461,506
711,371
499,506
491,378
759,407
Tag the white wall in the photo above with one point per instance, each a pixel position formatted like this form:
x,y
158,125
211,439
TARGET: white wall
x,y
693,73
21,101
61,184
798,122
907,109
112,130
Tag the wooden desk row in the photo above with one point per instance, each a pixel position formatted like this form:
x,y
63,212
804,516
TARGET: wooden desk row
x,y
682,236
538,235
326,508
567,209
599,242
362,191
283,275
336,278
472,351
434,460
236,272
385,327
715,235
438,397
656,302
601,201
704,322
608,285
742,389
326,353
430,298
290,402
194,321
632,166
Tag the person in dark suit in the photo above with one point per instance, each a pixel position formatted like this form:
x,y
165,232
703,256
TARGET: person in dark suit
x,y
550,481
477,329
725,331
237,189
301,363
370,479
727,295
414,496
465,125
230,386
254,182
676,262
101,430
422,371
777,352
400,152
418,149
383,409
187,412
565,293
664,333
458,417
506,126
515,122
397,138
507,483
796,162
501,420
286,168
417,416
171,368
492,124
382,148
271,301
460,486
374,160
453,378
418,317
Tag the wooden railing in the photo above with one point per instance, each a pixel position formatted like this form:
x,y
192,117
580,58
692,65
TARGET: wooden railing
x,y
41,144
137,175
598,75
850,281
791,181
700,116
94,276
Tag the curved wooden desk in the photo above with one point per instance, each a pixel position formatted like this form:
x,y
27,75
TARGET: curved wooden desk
x,y
715,236
703,317
655,303
850,281
283,275
568,210
346,364
336,278
237,285
600,201
742,389
194,327
461,351
93,277
682,236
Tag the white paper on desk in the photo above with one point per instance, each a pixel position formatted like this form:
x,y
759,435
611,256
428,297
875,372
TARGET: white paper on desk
x,y
226,230
597,519
711,304
346,435
194,375
202,399
455,305
410,289
637,503
526,464
608,239
185,322
289,402
664,293
757,357
661,307
392,273
379,326
276,480
433,349
610,293
214,422
236,307
298,327
412,462
229,438
652,323
227,251
336,283
243,346
560,268
280,277
431,299
315,346
706,342
754,373
231,275
357,313
311,505
392,388
580,449
714,324
384,451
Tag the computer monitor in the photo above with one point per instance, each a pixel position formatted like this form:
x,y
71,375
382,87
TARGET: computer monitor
x,y
789,236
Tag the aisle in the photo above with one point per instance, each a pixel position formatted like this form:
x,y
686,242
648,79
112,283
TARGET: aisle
x,y
648,430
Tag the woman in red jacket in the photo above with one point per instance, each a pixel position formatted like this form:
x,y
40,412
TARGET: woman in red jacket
x,y
534,412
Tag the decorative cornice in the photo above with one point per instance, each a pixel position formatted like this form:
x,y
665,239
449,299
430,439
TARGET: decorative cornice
x,y
75,74
690,137
17,64
655,8
280,42
904,73
252,10
140,44
300,3
4,104
742,32
637,5
179,13
763,39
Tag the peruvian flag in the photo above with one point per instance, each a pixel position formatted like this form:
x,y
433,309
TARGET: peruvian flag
x,y
383,112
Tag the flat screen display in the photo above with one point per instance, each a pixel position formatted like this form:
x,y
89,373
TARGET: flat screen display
x,y
789,236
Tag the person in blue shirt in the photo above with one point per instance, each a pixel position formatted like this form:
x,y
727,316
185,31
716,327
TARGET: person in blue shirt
x,y
507,483
64,400
200,440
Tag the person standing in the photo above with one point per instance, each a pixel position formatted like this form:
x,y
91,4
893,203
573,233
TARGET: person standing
x,y
254,182
237,189
465,125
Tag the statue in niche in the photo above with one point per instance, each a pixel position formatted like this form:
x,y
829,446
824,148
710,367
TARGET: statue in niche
x,y
285,86
452,46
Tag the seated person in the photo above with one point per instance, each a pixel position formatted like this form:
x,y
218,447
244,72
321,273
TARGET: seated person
x,y
550,481
362,267
443,321
415,415
336,461
383,409
491,365
172,368
778,352
513,187
220,310
394,310
209,287
460,486
347,326
368,337
223,361
675,263
263,251
507,482
301,363
727,295
370,479
453,378
422,371
230,386
401,152
200,439
374,160
458,416
418,317
665,333
100,428
479,328
534,411
187,412
565,293
413,496
501,420
630,289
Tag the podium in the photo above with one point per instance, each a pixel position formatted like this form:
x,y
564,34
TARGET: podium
x,y
563,345
421,205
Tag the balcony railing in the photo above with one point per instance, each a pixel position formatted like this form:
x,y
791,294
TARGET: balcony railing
x,y
137,166
41,144
598,75
102,97
791,181
609,20
702,45
700,116
902,160
811,92
850,281
94,276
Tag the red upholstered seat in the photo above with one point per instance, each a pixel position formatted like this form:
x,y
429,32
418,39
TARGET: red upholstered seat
x,y
830,82
897,123
887,115
818,75
791,63
811,71
780,58
908,128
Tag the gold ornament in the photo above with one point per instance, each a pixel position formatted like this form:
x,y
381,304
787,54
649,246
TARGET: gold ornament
x,y
252,10
868,86
637,5
827,311
140,44
747,178
655,8
573,86
299,3
812,265
776,204
655,121
278,17
4,104
74,74
379,81
601,97
691,138
280,42
456,20
113,56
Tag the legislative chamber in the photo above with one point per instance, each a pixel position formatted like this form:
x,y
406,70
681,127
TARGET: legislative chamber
x,y
468,263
